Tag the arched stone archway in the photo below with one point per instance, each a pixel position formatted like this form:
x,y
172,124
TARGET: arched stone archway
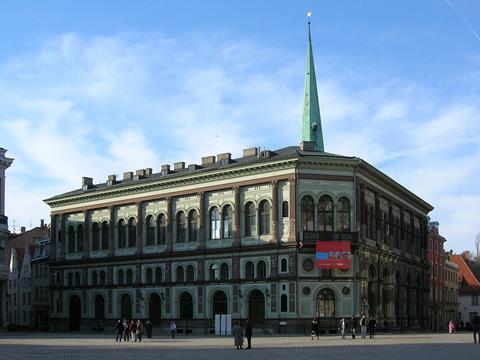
x,y
256,307
155,309
99,307
75,312
219,303
371,291
186,305
325,304
126,307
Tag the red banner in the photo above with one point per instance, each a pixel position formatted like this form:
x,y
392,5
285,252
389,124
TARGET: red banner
x,y
333,255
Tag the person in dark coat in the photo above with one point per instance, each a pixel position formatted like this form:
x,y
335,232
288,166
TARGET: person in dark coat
x,y
353,325
237,333
476,328
248,333
148,327
119,328
372,324
315,331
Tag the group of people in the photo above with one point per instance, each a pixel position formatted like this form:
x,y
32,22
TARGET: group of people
x,y
238,333
365,324
132,330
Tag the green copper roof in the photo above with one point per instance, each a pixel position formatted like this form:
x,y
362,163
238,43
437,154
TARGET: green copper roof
x,y
312,123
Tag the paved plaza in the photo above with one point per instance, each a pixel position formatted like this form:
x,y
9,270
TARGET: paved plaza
x,y
74,346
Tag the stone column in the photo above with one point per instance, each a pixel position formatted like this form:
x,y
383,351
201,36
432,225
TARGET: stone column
x,y
292,234
170,220
53,237
86,232
111,232
236,225
274,238
62,236
363,215
140,223
201,219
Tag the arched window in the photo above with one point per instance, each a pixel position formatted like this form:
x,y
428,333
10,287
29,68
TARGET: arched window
x,y
227,222
94,279
283,265
158,275
326,303
284,209
284,303
95,237
150,224
181,227
129,277
214,275
264,217
250,219
261,270
71,239
343,215
214,223
132,232
249,270
149,276
307,213
77,279
162,228
80,238
325,213
122,240
193,226
105,235
70,279
180,274
224,272
190,273
120,278
102,278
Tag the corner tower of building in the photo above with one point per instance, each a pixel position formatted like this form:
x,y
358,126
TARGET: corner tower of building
x,y
312,124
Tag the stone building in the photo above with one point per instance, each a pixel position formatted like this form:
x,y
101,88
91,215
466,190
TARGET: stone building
x,y
237,236
436,255
4,233
451,288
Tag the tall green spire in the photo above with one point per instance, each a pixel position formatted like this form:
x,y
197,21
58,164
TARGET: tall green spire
x,y
312,123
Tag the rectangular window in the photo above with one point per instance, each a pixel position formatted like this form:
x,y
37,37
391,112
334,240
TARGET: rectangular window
x,y
474,300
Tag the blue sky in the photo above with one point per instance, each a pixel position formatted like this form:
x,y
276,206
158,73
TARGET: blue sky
x,y
92,88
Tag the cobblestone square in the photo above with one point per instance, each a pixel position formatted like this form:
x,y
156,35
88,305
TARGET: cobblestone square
x,y
68,346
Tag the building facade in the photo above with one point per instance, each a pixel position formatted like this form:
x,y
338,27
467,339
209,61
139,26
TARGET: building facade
x,y
451,291
436,256
237,236
41,283
4,233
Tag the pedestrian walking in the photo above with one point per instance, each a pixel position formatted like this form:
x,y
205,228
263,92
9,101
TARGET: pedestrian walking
x,y
363,326
139,330
126,330
173,329
343,328
119,327
237,332
149,327
372,324
475,328
133,330
353,326
315,330
248,333
451,327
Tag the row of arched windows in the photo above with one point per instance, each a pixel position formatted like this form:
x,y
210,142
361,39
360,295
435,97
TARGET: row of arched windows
x,y
323,212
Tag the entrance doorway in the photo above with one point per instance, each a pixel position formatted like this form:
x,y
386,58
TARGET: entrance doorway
x,y
220,304
155,309
256,307
126,311
75,312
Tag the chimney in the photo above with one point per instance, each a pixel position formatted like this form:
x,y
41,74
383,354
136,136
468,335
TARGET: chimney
x,y
250,152
127,176
266,154
112,180
22,229
224,158
192,167
87,183
178,166
42,223
148,171
208,160
140,174
165,169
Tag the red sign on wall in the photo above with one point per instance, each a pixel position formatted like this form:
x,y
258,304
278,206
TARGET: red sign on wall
x,y
333,255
